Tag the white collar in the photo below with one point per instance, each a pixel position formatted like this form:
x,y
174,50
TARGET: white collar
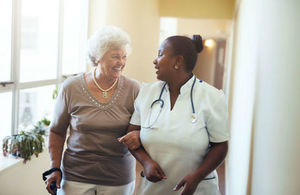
x,y
185,87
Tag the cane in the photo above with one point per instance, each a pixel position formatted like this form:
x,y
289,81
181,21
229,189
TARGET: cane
x,y
53,183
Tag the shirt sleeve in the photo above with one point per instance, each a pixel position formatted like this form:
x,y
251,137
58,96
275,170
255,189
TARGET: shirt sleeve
x,y
61,116
136,116
217,123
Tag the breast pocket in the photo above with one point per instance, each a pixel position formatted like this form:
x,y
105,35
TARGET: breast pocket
x,y
195,134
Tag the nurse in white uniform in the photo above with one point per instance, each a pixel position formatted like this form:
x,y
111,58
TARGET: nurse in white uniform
x,y
183,125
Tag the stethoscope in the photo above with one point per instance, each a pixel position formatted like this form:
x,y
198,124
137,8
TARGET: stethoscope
x,y
161,102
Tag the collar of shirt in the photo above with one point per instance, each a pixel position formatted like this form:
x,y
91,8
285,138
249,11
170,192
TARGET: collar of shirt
x,y
185,87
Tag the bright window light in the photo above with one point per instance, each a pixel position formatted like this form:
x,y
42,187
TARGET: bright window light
x,y
5,39
75,26
35,104
5,114
39,40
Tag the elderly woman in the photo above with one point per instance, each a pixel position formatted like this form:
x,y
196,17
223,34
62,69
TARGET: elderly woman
x,y
183,121
96,106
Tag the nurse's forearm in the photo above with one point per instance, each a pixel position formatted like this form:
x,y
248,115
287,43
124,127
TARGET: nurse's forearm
x,y
133,128
152,170
213,159
141,155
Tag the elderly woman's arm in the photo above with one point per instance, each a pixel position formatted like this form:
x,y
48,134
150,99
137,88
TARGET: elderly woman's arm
x,y
56,145
213,159
132,138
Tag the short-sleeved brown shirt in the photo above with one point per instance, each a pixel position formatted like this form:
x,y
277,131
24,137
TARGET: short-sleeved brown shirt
x,y
93,153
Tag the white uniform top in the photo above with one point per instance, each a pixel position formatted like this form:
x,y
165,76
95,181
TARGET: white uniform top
x,y
173,141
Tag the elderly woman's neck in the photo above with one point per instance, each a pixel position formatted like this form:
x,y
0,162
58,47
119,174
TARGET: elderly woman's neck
x,y
176,83
104,79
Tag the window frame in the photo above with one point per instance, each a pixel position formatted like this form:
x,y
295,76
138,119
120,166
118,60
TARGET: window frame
x,y
14,85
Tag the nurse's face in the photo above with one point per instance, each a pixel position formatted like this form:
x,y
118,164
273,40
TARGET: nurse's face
x,y
165,61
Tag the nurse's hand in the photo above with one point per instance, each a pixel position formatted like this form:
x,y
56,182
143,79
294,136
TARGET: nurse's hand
x,y
189,184
131,140
153,172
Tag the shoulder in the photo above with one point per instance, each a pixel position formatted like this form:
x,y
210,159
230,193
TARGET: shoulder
x,y
72,83
130,82
74,80
152,86
148,89
211,94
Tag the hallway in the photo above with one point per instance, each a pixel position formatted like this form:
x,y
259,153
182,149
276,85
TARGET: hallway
x,y
261,80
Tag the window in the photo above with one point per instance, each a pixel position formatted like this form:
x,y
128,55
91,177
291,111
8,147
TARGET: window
x,y
42,42
5,39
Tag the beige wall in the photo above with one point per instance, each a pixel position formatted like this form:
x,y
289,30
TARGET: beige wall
x,y
207,28
206,63
141,20
264,102
197,8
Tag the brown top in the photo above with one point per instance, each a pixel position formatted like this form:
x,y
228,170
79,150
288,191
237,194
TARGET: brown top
x,y
93,153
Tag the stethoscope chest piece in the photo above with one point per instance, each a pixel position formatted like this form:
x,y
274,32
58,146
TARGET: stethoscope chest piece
x,y
193,118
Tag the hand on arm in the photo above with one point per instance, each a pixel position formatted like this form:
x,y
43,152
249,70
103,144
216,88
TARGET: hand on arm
x,y
152,170
131,139
56,144
213,159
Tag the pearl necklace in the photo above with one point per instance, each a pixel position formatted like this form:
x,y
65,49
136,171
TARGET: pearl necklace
x,y
104,91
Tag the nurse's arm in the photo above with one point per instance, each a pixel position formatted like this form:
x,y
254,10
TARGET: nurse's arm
x,y
213,159
152,170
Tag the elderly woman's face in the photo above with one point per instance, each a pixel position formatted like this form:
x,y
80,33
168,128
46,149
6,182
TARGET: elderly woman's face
x,y
113,62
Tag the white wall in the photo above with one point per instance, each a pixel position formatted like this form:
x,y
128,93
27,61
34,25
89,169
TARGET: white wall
x,y
276,156
263,157
25,178
243,81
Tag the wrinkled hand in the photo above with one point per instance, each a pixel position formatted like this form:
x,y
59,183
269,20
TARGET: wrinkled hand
x,y
153,171
131,140
189,184
55,176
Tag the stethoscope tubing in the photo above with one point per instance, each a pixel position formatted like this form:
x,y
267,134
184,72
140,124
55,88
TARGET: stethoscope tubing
x,y
161,101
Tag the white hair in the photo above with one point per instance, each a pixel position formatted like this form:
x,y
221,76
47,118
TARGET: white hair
x,y
106,39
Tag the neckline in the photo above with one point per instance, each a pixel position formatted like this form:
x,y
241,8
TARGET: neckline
x,y
94,100
97,85
186,86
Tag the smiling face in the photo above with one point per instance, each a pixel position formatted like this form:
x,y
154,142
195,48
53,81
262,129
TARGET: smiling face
x,y
113,62
164,63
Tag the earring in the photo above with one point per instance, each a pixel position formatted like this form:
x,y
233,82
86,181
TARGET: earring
x,y
176,67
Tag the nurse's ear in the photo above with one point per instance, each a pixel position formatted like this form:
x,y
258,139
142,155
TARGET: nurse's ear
x,y
179,63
